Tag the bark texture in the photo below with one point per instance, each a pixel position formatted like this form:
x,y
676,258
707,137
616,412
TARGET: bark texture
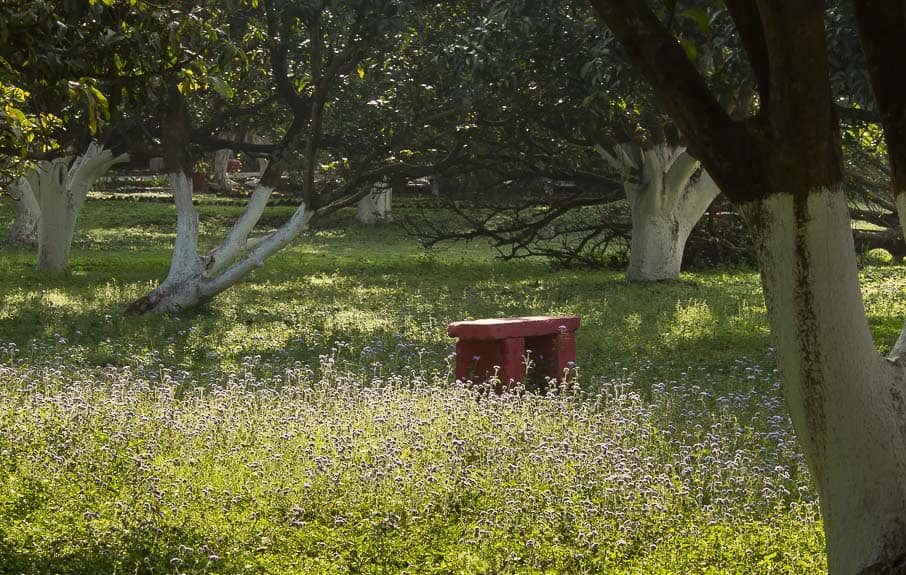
x,y
24,231
846,400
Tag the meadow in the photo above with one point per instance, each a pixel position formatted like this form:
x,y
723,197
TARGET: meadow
x,y
307,421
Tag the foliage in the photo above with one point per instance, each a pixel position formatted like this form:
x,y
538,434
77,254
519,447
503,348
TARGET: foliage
x,y
548,86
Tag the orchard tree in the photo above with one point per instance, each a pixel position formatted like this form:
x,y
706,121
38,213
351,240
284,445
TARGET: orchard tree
x,y
317,55
89,72
783,168
51,56
50,197
667,187
547,114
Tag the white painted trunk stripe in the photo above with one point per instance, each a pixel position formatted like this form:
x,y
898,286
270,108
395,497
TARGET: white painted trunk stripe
x,y
846,401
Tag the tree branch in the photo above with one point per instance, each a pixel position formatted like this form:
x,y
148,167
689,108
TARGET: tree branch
x,y
801,123
882,32
216,123
748,24
726,148
279,53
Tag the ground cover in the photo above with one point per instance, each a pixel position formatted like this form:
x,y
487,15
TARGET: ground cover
x,y
307,422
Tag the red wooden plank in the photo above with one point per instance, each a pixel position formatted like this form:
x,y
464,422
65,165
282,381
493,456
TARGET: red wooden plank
x,y
503,328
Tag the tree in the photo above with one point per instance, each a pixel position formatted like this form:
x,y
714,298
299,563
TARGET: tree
x,y
668,193
52,51
55,190
315,53
783,168
551,107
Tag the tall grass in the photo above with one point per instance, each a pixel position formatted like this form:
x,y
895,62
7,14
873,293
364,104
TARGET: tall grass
x,y
315,469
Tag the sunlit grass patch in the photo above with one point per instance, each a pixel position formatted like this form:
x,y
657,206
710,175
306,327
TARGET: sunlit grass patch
x,y
693,320
137,238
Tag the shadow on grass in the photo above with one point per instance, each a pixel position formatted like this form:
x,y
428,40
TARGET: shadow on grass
x,y
144,549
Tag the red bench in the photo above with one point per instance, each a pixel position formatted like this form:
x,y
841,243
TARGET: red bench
x,y
489,345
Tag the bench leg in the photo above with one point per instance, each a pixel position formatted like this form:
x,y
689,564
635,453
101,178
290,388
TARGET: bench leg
x,y
565,353
553,353
476,358
512,367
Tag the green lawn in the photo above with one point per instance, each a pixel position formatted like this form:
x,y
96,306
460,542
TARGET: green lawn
x,y
307,422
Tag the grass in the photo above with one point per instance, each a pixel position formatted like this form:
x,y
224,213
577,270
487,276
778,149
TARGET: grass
x,y
358,286
307,422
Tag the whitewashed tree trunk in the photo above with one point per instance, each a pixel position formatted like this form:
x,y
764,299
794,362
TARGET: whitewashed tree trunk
x,y
221,179
60,190
375,206
899,349
848,403
261,160
194,278
668,193
24,231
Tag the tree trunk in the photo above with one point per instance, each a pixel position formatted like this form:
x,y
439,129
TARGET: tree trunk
x,y
848,403
182,287
668,193
24,231
783,167
193,278
221,179
260,160
656,249
60,191
56,226
376,205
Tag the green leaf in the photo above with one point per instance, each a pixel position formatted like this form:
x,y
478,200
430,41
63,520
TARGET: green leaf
x,y
92,117
100,101
16,114
221,87
690,48
700,17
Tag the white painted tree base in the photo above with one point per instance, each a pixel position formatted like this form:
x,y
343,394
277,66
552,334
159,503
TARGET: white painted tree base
x,y
656,250
221,180
847,402
59,190
24,231
375,206
668,193
194,278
